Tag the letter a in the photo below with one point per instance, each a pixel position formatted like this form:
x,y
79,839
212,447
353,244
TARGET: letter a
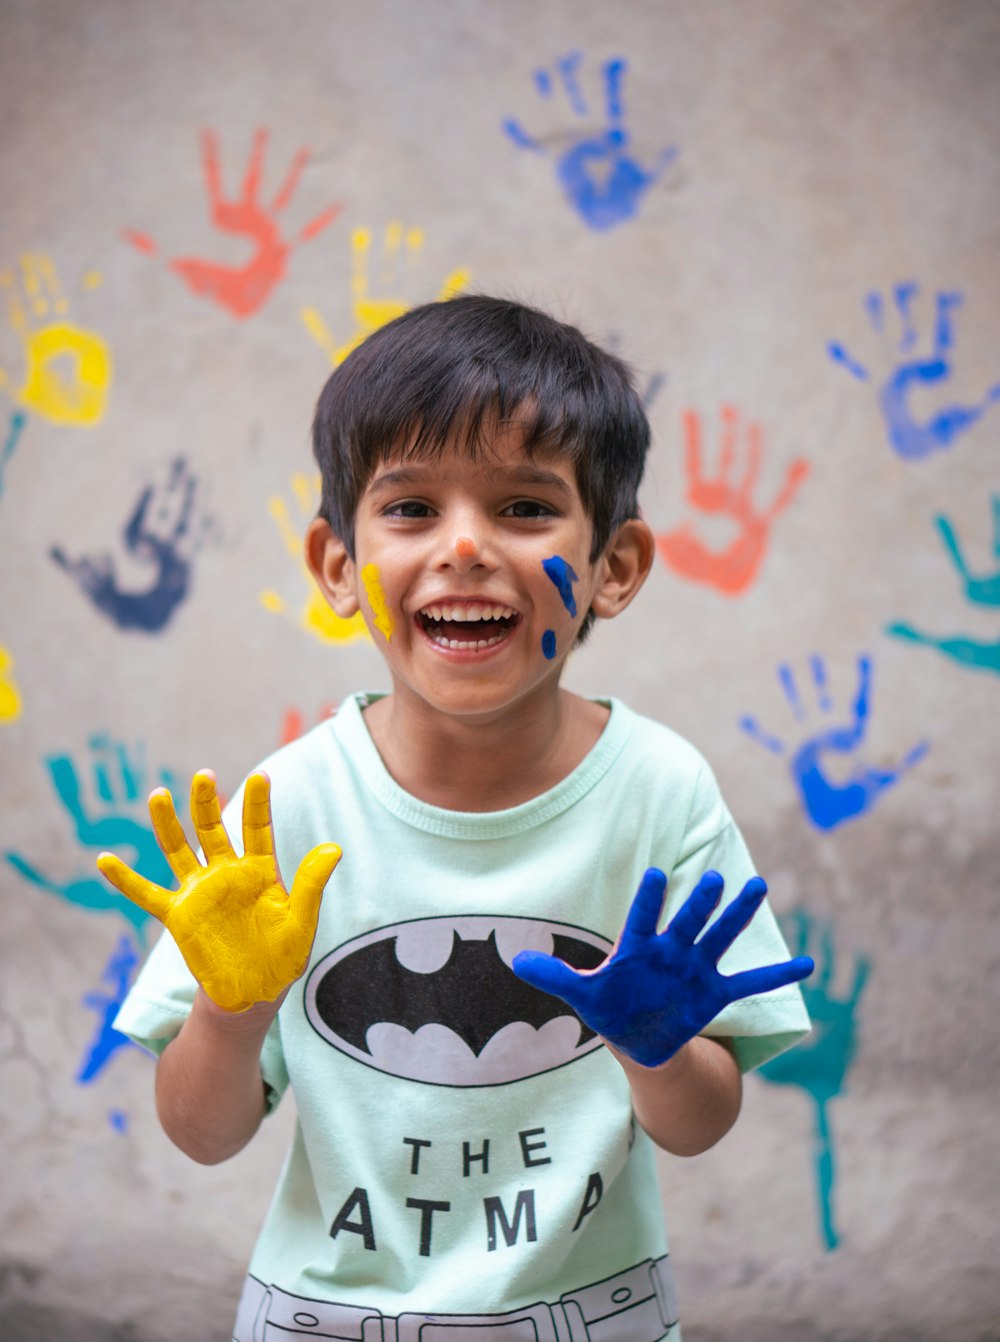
x,y
359,1199
593,1195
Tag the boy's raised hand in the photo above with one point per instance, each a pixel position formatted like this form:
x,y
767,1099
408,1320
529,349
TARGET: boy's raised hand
x,y
242,935
656,991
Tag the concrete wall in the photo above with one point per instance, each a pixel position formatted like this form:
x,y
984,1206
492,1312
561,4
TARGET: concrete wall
x,y
806,260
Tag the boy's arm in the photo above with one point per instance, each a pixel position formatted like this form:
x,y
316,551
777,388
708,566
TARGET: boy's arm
x,y
245,939
689,1102
656,992
210,1094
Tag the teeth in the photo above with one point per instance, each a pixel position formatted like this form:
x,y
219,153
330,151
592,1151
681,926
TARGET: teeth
x,y
467,613
466,643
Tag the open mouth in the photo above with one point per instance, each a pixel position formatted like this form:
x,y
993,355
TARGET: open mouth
x,y
467,628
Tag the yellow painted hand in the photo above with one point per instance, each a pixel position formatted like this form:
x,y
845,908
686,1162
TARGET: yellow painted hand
x,y
242,935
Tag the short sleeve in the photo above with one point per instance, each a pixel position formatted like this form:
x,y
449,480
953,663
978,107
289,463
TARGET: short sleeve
x,y
763,1026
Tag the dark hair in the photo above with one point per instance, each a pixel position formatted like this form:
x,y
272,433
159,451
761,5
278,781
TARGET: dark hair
x,y
447,372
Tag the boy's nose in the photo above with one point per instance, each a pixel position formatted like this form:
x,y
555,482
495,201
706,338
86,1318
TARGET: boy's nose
x,y
465,547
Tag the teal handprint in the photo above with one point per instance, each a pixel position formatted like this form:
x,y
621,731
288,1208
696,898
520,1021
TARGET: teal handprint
x,y
112,818
981,589
819,1065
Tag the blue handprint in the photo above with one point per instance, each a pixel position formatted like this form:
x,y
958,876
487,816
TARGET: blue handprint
x,y
117,785
821,1062
656,991
912,439
829,804
980,589
118,974
161,535
604,185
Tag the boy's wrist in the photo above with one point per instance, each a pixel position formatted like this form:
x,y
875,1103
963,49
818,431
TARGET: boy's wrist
x,y
255,1021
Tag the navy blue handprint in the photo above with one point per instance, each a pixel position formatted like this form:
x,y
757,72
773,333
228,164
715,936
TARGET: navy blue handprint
x,y
910,437
603,183
161,535
828,803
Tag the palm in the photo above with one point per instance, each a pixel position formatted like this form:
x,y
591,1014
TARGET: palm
x,y
242,935
657,990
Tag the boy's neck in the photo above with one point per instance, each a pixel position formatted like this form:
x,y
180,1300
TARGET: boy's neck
x,y
484,765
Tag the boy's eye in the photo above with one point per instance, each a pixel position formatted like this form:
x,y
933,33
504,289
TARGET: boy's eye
x,y
408,508
527,508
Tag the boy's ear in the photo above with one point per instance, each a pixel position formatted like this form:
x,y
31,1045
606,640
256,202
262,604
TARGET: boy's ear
x,y
332,567
626,563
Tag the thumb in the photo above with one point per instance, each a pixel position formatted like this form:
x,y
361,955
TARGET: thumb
x,y
550,975
314,871
150,897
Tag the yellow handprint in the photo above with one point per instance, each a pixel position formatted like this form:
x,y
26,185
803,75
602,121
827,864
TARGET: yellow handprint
x,y
242,935
400,246
316,617
67,369
10,698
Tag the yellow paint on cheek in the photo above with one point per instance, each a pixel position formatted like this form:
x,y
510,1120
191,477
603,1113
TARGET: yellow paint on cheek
x,y
376,599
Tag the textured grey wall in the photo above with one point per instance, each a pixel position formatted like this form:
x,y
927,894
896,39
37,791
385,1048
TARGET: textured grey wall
x,y
796,244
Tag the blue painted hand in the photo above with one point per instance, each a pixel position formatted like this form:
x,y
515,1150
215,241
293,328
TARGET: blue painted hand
x,y
912,438
657,990
598,174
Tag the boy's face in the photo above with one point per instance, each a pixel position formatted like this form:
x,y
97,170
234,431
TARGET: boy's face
x,y
473,576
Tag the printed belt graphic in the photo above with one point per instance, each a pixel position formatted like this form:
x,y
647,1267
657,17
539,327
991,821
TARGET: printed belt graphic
x,y
637,1305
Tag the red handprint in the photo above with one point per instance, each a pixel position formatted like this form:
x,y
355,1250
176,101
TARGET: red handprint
x,y
244,288
734,568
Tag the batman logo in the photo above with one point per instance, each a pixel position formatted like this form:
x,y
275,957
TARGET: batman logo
x,y
435,1000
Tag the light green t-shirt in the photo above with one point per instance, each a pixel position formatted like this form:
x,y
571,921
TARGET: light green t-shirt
x,y
464,1146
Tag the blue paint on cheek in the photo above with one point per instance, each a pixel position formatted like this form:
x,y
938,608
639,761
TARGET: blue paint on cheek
x,y
549,643
562,575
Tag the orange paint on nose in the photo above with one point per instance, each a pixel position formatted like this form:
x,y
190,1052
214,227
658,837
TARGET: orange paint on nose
x,y
465,548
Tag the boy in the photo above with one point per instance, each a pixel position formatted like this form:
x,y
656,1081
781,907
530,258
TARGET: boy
x,y
474,1150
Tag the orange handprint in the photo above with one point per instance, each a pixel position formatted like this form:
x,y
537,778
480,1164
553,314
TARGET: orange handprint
x,y
734,568
242,289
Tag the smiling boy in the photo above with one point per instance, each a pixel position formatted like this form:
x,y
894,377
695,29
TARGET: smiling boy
x,y
484,1031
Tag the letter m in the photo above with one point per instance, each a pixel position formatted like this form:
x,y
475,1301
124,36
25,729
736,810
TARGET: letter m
x,y
495,1215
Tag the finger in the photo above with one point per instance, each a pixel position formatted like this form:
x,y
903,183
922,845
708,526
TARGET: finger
x,y
207,816
647,905
696,910
754,982
150,897
549,975
732,920
258,834
314,871
170,836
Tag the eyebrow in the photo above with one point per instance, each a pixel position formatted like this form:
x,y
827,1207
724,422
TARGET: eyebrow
x,y
515,475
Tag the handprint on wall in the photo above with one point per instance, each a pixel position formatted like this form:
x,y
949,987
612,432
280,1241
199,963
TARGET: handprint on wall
x,y
819,1065
162,535
373,308
244,288
15,428
826,744
106,807
314,615
294,723
910,437
728,495
10,695
981,589
600,178
67,369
